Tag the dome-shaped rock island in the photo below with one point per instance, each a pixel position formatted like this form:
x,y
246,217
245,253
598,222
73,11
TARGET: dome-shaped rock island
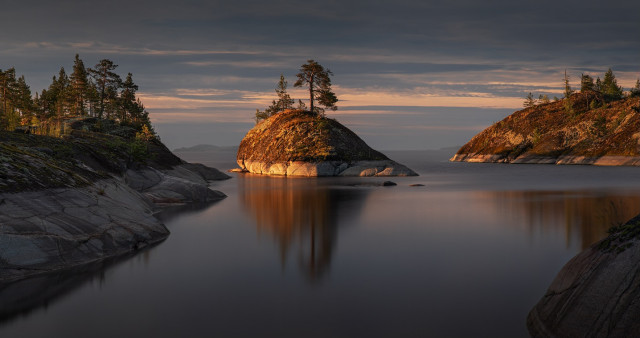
x,y
300,143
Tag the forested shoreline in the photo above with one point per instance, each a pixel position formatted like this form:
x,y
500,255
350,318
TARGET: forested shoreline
x,y
86,92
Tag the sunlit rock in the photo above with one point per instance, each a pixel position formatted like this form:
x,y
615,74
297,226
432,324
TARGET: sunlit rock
x,y
298,143
604,134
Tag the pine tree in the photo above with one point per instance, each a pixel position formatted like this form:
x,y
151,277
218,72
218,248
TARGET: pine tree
x,y
79,86
24,101
107,84
284,100
586,83
543,99
599,86
8,94
261,115
610,88
63,98
529,101
635,91
129,109
567,87
312,74
568,106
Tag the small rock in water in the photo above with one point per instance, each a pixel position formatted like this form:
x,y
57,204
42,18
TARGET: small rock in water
x,y
416,185
388,184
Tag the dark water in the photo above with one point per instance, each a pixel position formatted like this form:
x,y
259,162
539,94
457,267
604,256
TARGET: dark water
x,y
468,254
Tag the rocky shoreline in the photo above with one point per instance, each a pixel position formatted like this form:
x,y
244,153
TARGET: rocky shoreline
x,y
607,160
59,228
328,168
87,196
302,143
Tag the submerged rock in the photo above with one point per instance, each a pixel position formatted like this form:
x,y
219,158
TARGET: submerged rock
x,y
298,143
597,293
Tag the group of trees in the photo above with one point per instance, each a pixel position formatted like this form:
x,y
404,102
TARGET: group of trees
x,y
606,90
531,101
313,76
97,92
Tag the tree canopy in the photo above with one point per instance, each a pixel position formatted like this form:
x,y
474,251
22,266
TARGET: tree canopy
x,y
316,77
97,92
610,88
284,101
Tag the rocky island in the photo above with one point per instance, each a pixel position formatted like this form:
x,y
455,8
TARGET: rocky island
x,y
590,130
87,195
296,142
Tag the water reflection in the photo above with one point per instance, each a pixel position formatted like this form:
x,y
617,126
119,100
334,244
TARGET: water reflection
x,y
301,214
22,297
584,216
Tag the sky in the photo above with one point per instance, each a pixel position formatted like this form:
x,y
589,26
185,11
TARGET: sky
x,y
408,74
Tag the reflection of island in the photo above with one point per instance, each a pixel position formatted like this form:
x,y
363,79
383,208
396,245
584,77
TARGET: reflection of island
x,y
301,213
584,215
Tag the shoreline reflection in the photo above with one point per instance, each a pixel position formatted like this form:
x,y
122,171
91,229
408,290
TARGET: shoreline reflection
x,y
302,215
584,216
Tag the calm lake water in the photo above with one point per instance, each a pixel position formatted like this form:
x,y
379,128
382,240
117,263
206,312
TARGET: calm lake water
x,y
467,254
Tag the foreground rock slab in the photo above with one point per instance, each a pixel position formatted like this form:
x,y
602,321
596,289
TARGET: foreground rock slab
x,y
597,293
59,228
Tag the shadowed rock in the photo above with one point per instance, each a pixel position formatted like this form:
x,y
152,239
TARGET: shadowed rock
x,y
83,198
597,293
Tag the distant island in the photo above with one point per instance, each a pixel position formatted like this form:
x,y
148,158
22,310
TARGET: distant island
x,y
290,141
301,143
599,125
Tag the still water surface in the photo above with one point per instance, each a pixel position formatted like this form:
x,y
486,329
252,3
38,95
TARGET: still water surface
x,y
467,254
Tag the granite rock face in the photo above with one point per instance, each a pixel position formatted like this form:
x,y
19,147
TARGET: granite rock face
x,y
597,293
58,228
330,168
595,131
298,143
178,185
82,198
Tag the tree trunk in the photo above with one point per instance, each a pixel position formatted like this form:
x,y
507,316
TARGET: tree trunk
x,y
311,92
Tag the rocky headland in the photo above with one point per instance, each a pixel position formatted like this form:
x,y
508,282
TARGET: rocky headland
x,y
597,293
87,196
299,143
591,131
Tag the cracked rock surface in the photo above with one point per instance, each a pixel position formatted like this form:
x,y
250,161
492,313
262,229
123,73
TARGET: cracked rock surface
x,y
63,227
